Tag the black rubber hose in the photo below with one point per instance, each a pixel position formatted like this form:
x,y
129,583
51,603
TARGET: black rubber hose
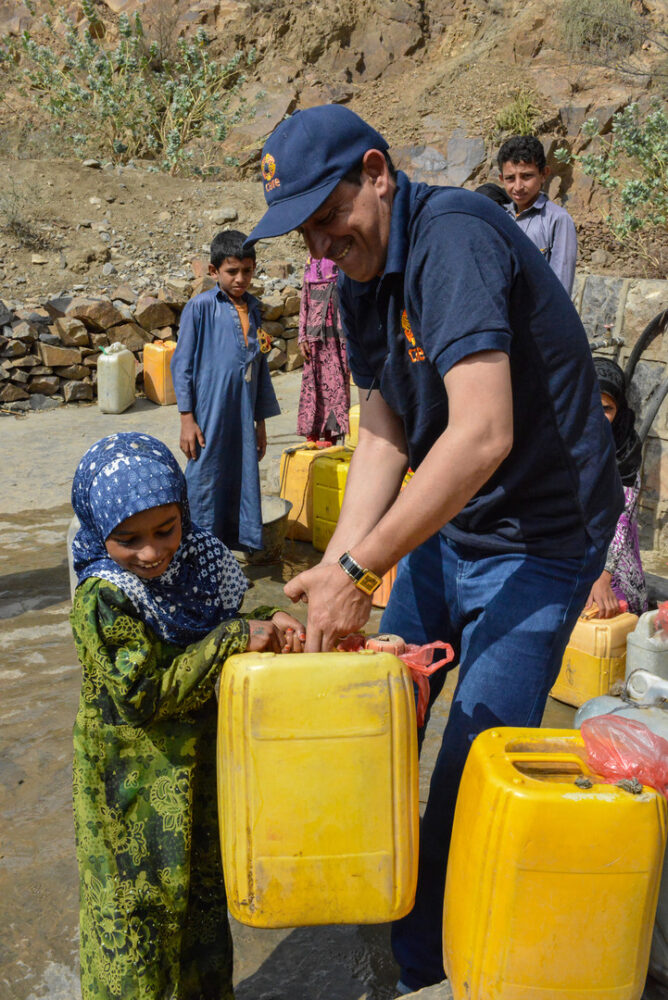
x,y
655,327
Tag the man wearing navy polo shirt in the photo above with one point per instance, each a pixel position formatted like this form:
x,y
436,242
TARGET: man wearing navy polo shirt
x,y
474,369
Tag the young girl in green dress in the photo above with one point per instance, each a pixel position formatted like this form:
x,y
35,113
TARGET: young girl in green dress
x,y
155,615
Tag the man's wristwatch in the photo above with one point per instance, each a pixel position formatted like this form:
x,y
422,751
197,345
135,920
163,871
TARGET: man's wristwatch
x,y
364,579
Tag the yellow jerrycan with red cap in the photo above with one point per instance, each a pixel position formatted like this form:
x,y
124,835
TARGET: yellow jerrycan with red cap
x,y
317,788
553,876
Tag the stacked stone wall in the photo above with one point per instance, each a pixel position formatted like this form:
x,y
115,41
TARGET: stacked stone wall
x,y
49,351
615,311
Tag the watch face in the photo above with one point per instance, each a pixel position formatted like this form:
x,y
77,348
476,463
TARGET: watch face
x,y
369,582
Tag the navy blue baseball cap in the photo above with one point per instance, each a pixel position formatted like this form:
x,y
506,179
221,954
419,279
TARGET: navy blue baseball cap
x,y
304,159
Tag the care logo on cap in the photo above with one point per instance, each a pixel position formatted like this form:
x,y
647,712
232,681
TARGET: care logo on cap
x,y
268,168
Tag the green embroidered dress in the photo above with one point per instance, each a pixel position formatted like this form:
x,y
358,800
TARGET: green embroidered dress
x,y
153,913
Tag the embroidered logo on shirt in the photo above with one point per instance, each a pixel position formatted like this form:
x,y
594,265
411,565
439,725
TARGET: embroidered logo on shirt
x,y
264,340
268,168
415,353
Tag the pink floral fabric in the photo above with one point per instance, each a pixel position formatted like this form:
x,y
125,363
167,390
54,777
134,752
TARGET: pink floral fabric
x,y
623,561
325,391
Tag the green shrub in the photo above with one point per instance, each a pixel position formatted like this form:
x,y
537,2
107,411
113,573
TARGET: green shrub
x,y
521,116
633,166
600,27
126,100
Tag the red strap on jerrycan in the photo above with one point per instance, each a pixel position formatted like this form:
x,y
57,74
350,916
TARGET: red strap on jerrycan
x,y
418,659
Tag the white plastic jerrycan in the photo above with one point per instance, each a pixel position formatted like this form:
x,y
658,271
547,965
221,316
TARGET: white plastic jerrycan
x,y
645,650
115,379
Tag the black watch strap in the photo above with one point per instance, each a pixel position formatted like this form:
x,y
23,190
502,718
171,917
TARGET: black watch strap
x,y
364,579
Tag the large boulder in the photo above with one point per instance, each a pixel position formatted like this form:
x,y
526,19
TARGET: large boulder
x,y
276,359
74,372
272,307
601,301
152,313
47,385
645,298
58,356
12,348
10,393
95,314
71,331
6,315
294,356
131,335
465,155
24,331
74,391
268,109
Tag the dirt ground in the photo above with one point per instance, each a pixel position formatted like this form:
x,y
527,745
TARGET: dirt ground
x,y
76,220
39,687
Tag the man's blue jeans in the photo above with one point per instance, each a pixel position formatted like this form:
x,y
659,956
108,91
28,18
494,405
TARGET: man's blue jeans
x,y
508,618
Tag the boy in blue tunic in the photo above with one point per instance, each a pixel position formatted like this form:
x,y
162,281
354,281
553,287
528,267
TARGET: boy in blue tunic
x,y
224,394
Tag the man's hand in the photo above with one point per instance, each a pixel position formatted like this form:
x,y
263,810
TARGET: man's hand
x,y
304,349
191,436
261,439
335,605
604,597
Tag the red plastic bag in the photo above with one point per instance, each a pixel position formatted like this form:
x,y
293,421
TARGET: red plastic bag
x,y
623,748
418,659
661,620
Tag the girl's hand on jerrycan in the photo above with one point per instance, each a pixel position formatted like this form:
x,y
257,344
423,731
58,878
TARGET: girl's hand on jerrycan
x,y
283,634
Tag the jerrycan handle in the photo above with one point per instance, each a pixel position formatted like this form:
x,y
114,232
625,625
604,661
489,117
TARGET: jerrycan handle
x,y
645,626
546,765
593,612
645,688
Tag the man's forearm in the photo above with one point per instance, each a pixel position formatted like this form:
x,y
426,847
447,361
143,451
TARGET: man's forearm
x,y
374,478
455,468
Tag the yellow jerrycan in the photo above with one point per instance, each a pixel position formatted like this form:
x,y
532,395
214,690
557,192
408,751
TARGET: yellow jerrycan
x,y
330,474
594,658
317,788
158,384
296,485
553,876
351,438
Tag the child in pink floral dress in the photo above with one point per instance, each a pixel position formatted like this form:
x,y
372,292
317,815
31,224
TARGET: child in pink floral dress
x,y
325,393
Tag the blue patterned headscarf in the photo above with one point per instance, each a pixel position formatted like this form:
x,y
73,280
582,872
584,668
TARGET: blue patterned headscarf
x,y
203,585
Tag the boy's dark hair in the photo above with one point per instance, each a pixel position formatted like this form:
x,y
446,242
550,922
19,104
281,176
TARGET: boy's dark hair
x,y
522,149
230,243
354,175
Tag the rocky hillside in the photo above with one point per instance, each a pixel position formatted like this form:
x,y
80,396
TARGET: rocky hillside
x,y
433,75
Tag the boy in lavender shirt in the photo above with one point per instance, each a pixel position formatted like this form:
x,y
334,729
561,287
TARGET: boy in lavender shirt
x,y
523,171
